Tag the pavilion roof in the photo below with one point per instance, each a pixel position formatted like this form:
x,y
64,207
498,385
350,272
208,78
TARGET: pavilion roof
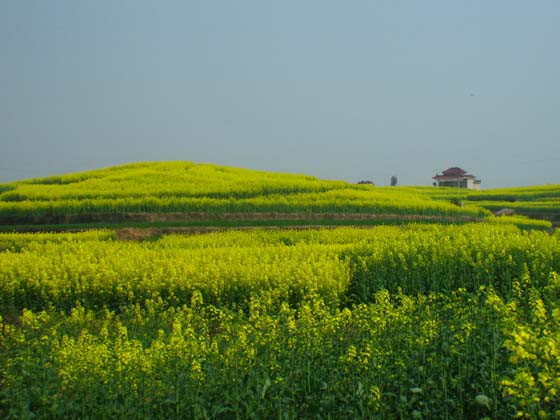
x,y
454,172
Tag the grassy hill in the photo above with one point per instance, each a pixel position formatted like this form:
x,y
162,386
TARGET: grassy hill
x,y
181,192
187,194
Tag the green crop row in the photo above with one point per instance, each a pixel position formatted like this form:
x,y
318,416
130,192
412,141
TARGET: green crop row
x,y
415,321
436,356
543,199
228,268
549,207
188,187
17,241
532,193
339,201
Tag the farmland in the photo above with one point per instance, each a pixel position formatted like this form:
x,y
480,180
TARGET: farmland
x,y
390,322
202,192
541,202
426,310
186,194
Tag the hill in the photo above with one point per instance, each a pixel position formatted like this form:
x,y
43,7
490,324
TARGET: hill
x,y
185,192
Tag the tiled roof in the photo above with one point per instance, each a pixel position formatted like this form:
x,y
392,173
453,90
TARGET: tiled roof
x,y
453,173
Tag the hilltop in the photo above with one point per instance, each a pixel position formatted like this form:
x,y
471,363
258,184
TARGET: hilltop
x,y
184,194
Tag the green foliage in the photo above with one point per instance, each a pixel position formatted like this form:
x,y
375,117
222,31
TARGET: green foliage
x,y
520,221
535,200
19,241
228,268
6,187
188,187
418,321
435,259
529,207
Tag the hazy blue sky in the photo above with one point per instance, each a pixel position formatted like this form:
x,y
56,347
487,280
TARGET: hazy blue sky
x,y
337,89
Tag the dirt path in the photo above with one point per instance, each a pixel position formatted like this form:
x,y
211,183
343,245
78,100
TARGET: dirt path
x,y
200,222
213,217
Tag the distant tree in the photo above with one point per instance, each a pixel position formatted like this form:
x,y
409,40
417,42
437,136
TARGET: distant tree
x,y
366,181
393,181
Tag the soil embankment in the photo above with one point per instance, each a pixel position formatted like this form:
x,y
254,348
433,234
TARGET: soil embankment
x,y
209,217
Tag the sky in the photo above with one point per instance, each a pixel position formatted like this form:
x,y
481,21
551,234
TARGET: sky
x,y
352,90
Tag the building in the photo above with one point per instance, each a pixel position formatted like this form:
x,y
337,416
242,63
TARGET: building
x,y
458,178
